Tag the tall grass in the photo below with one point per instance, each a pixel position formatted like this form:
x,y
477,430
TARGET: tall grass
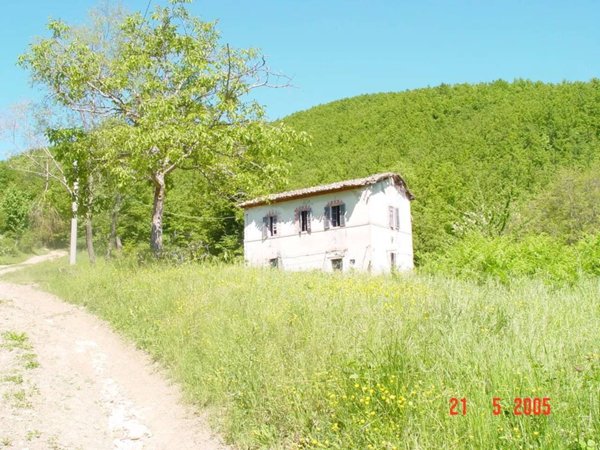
x,y
312,360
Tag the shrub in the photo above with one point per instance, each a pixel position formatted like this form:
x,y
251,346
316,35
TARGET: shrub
x,y
15,210
8,246
477,258
588,250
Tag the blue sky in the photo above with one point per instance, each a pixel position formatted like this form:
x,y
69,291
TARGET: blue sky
x,y
334,49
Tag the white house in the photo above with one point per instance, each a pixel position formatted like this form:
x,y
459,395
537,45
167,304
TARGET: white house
x,y
361,224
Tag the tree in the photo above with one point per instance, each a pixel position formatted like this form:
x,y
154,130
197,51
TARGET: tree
x,y
15,208
26,124
171,97
567,209
77,155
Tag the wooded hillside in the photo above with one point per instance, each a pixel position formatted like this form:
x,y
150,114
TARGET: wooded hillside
x,y
477,157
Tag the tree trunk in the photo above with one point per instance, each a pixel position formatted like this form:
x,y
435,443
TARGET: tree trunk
x,y
89,238
89,214
74,204
73,243
156,242
114,242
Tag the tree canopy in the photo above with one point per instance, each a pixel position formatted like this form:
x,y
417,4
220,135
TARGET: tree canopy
x,y
169,95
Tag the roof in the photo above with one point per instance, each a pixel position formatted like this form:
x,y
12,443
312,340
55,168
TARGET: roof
x,y
332,187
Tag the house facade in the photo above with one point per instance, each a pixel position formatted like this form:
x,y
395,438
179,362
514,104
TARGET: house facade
x,y
362,224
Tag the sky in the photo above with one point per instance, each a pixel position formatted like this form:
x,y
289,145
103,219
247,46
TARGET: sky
x,y
334,49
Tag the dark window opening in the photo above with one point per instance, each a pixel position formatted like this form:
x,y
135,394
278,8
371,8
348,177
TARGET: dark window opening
x,y
393,260
274,263
337,264
304,220
335,216
269,228
272,225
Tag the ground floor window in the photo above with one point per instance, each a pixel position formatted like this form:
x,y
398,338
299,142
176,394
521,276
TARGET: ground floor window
x,y
274,262
393,260
337,264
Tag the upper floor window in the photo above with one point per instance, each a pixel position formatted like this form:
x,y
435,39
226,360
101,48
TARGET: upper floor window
x,y
335,215
303,219
269,226
394,217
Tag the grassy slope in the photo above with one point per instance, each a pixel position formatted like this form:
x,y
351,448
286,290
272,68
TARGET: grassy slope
x,y
20,257
467,151
12,259
313,360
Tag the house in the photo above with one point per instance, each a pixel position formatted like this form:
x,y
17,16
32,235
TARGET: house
x,y
362,224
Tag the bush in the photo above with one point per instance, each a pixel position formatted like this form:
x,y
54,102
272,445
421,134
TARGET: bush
x,y
588,250
15,210
504,258
8,246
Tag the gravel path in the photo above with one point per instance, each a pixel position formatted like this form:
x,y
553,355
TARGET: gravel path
x,y
68,382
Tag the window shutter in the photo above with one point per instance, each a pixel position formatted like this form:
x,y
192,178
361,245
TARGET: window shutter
x,y
297,219
326,217
342,215
397,218
391,216
265,227
308,220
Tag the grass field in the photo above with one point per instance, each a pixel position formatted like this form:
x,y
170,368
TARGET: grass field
x,y
13,259
18,257
312,360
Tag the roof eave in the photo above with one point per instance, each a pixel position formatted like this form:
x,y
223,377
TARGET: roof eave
x,y
333,187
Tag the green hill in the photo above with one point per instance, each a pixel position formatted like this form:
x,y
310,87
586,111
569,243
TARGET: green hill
x,y
475,156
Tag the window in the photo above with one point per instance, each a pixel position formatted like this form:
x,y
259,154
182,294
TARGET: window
x,y
303,218
394,218
269,226
272,225
335,215
393,260
337,264
274,263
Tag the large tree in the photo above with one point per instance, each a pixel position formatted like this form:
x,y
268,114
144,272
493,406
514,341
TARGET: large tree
x,y
171,96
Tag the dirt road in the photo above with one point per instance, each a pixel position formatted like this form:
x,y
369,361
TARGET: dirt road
x,y
68,382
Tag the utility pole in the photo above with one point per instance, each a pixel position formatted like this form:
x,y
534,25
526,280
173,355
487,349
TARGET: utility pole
x,y
73,248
